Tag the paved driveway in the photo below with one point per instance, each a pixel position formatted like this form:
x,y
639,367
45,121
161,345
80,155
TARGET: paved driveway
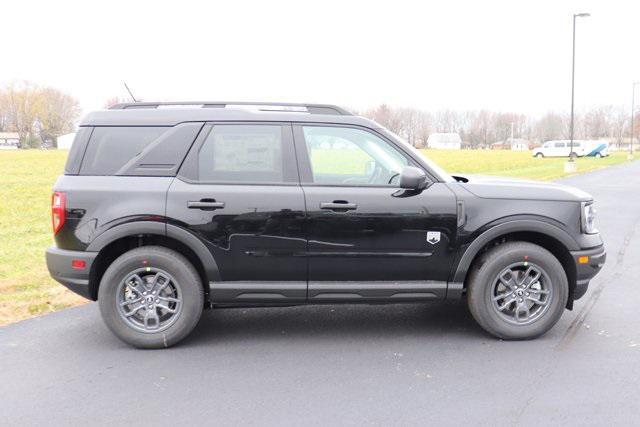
x,y
403,364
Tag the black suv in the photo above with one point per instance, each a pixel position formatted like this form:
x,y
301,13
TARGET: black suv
x,y
168,208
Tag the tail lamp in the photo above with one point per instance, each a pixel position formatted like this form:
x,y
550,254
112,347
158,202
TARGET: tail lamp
x,y
58,206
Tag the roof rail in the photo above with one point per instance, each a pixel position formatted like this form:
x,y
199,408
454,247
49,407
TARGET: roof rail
x,y
260,106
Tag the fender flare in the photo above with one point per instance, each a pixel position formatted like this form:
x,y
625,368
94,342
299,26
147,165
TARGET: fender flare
x,y
161,229
530,225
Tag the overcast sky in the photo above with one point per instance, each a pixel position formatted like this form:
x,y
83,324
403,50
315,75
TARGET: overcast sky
x,y
499,55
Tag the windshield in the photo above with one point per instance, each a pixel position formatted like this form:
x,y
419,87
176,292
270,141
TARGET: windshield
x,y
433,167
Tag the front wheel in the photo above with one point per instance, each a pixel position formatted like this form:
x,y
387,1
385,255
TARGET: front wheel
x,y
539,155
151,297
517,290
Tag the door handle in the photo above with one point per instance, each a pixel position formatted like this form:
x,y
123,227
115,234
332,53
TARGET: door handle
x,y
205,204
339,205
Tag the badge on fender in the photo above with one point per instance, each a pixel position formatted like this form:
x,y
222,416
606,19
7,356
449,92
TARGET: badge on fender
x,y
433,237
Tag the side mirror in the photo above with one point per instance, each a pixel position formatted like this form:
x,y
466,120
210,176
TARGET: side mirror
x,y
413,178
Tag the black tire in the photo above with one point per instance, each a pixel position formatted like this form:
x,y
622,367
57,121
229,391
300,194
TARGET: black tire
x,y
598,155
484,279
539,155
146,258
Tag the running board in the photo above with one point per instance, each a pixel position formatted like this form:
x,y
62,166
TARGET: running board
x,y
326,291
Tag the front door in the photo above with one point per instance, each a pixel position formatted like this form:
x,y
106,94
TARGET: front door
x,y
238,191
368,239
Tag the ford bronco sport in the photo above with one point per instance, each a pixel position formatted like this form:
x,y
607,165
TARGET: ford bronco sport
x,y
165,209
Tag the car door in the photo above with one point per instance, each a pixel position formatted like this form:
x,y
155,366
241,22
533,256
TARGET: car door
x,y
369,240
238,191
560,149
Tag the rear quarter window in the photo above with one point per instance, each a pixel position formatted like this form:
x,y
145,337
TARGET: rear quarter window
x,y
112,147
74,159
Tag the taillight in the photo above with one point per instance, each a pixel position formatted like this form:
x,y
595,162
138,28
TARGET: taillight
x,y
58,205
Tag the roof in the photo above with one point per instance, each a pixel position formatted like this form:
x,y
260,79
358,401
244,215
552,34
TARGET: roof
x,y
172,113
9,135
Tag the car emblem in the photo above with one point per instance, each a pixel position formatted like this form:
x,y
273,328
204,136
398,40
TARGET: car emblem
x,y
433,237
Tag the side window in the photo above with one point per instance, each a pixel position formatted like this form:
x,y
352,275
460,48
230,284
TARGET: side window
x,y
110,148
349,156
559,144
243,153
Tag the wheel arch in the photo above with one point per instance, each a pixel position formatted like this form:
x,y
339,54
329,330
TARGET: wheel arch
x,y
552,238
120,239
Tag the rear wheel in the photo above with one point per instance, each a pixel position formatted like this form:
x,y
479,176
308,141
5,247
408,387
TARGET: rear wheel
x,y
598,155
518,290
151,297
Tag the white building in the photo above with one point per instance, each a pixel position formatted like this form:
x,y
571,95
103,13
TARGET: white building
x,y
65,141
444,141
9,140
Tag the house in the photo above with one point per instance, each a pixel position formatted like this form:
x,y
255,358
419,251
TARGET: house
x,y
444,141
9,140
515,144
65,141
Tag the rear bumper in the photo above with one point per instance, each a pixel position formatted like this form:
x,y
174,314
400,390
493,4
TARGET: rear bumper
x,y
59,263
587,271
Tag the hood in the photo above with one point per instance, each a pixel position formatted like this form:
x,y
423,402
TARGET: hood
x,y
495,187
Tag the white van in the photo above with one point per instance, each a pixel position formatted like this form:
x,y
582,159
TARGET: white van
x,y
562,148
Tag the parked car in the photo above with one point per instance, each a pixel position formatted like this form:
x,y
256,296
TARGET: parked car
x,y
580,149
163,212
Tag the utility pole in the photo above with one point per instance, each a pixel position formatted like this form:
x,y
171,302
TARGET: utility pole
x,y
633,113
570,166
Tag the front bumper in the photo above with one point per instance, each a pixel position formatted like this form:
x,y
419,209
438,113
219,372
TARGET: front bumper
x,y
585,271
59,263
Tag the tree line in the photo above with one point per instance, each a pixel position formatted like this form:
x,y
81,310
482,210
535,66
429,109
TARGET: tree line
x,y
39,114
481,128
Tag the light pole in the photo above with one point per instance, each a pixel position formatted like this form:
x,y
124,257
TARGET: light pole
x,y
633,111
573,78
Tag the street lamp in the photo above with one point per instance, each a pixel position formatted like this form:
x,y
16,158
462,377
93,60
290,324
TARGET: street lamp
x,y
633,110
573,75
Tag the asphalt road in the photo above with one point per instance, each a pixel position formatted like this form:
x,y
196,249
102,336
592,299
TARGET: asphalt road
x,y
403,364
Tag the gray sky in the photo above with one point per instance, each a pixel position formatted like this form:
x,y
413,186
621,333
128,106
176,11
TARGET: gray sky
x,y
500,55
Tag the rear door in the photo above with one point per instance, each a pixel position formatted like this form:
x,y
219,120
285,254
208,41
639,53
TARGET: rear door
x,y
369,240
238,191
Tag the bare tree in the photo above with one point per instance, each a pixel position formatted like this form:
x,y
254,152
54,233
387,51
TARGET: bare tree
x,y
36,113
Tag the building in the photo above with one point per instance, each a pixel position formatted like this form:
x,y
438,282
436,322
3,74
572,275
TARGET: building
x,y
65,141
444,141
9,140
515,144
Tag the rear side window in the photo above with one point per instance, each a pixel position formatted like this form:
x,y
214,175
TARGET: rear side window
x,y
242,153
110,148
559,145
72,167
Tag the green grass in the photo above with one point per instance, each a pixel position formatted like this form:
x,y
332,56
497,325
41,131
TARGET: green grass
x,y
25,232
25,224
518,164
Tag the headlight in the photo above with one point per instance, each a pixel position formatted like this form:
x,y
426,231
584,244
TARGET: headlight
x,y
588,219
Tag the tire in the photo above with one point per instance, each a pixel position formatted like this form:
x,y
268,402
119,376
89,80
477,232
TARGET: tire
x,y
172,280
539,155
483,288
598,155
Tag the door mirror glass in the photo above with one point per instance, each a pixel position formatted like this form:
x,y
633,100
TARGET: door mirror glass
x,y
412,178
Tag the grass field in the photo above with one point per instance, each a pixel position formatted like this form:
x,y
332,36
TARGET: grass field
x,y
25,225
